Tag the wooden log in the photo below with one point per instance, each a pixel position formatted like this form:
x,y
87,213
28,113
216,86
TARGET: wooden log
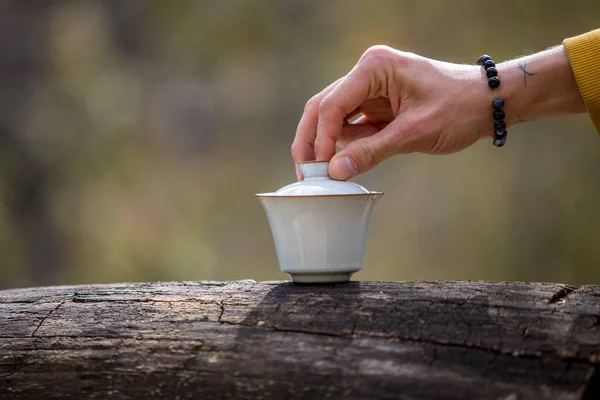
x,y
277,340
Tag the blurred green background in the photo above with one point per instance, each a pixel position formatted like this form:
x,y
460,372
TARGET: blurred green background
x,y
134,134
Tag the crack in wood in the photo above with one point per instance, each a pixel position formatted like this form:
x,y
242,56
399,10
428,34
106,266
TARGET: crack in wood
x,y
28,301
560,297
117,348
111,361
443,343
222,305
135,301
46,317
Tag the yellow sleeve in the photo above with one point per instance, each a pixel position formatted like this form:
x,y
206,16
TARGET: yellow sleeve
x,y
584,56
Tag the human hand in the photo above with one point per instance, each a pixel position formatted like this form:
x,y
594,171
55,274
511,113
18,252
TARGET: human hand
x,y
407,104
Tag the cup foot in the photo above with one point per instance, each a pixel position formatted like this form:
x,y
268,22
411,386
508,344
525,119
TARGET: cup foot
x,y
322,277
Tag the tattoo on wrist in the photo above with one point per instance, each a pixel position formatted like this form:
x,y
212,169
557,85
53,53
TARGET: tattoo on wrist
x,y
523,67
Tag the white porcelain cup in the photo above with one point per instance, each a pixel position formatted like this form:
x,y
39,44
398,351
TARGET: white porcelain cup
x,y
319,237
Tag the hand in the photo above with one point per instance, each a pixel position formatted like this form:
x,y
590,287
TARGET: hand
x,y
408,103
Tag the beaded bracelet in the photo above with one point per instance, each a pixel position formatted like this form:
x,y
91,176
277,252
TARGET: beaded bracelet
x,y
498,104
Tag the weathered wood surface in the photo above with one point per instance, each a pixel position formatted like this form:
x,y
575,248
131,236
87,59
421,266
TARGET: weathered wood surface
x,y
276,340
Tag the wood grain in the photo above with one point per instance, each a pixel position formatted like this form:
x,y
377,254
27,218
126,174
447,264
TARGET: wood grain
x,y
277,340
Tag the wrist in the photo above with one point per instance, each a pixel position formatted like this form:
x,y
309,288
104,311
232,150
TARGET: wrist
x,y
517,93
539,85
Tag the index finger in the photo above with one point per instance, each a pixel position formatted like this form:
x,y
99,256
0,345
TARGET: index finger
x,y
346,97
303,146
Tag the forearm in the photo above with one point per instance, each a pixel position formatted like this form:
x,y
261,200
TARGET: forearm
x,y
539,85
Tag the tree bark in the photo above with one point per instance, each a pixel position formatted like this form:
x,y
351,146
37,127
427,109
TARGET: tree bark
x,y
277,340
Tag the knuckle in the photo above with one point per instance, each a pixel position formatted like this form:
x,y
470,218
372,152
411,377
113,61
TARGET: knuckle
x,y
378,55
377,51
294,148
375,58
325,106
311,104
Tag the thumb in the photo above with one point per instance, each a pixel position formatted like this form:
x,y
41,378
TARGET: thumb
x,y
360,156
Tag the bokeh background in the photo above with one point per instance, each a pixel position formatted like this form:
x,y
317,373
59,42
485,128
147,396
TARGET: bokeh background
x,y
134,134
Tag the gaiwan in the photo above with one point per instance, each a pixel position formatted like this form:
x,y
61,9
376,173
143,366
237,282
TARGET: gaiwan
x,y
319,225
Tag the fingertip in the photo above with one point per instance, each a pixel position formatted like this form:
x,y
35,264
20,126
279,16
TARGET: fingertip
x,y
298,173
342,168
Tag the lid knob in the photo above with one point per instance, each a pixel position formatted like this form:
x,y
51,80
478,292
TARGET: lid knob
x,y
314,169
318,183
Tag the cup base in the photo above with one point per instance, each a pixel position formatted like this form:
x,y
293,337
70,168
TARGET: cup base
x,y
322,277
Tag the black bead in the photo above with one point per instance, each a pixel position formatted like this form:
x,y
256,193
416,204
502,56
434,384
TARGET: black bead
x,y
499,126
499,142
489,64
491,71
483,59
494,82
498,103
499,115
500,138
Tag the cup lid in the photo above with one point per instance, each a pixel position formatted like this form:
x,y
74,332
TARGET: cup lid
x,y
317,182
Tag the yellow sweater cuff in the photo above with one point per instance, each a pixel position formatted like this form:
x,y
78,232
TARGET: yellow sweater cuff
x,y
584,56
